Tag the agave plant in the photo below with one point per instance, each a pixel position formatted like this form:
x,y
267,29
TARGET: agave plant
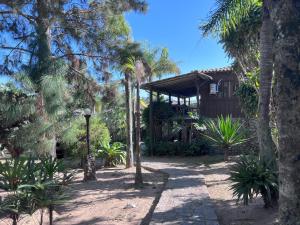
x,y
250,177
113,154
225,133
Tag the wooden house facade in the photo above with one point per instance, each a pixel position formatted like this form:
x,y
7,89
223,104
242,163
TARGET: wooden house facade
x,y
214,91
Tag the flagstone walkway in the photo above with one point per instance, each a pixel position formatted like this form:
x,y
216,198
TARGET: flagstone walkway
x,y
185,199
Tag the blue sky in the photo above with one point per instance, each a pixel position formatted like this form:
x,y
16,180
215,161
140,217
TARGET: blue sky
x,y
174,24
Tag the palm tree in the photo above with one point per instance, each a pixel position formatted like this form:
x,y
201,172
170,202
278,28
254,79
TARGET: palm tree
x,y
127,56
232,20
285,15
158,63
224,133
139,72
266,143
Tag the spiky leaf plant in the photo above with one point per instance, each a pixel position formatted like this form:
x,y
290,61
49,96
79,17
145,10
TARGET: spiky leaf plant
x,y
252,177
225,133
12,174
113,154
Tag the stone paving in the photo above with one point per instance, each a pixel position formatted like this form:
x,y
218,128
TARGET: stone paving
x,y
185,199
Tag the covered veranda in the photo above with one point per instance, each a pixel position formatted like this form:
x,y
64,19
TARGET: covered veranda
x,y
183,88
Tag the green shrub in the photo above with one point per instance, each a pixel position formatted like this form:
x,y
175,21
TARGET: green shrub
x,y
198,147
113,154
248,96
166,148
161,111
252,177
74,137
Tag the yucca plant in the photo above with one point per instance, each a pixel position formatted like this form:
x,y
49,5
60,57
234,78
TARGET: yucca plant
x,y
224,133
250,177
113,154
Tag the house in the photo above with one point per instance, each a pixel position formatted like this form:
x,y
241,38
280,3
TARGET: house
x,y
210,93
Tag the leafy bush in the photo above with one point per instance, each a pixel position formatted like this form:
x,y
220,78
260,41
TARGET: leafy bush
x,y
196,148
74,137
224,133
113,154
248,99
252,177
50,167
161,111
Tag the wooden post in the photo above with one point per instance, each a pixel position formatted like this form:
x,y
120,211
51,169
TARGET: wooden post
x,y
189,102
151,122
170,99
157,97
184,101
178,100
198,99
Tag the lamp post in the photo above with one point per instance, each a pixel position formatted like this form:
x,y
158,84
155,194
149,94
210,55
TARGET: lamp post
x,y
89,167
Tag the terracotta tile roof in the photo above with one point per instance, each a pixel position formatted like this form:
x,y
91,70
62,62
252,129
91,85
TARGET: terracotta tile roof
x,y
215,70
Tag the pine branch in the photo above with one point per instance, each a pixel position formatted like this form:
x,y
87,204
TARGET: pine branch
x,y
18,13
16,48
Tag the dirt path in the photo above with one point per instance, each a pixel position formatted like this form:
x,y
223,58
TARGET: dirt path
x,y
228,211
111,200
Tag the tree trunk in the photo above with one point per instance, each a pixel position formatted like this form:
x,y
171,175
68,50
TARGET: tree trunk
x,y
15,218
42,217
286,17
266,144
138,174
129,121
226,154
43,54
50,215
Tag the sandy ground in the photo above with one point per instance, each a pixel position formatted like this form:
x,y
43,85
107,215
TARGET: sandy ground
x,y
111,200
228,211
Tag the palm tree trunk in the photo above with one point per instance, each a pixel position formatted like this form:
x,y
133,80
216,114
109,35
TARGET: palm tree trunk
x,y
129,121
286,17
138,174
266,144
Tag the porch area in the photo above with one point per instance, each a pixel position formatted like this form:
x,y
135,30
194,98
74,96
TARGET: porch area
x,y
173,105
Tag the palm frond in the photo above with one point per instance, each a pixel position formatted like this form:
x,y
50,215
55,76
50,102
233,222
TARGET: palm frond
x,y
228,14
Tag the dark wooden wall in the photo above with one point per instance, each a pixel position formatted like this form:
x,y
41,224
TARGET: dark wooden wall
x,y
224,103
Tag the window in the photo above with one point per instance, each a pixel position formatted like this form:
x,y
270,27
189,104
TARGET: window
x,y
226,89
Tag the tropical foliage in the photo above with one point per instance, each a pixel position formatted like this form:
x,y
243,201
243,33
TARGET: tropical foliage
x,y
33,184
252,177
74,137
113,154
158,63
225,133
